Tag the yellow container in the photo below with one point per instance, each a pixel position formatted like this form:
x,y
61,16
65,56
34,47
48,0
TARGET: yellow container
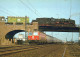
x,y
12,19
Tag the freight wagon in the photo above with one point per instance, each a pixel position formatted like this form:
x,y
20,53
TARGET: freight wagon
x,y
41,38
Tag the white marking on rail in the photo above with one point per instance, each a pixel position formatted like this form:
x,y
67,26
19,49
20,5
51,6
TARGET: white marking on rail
x,y
64,52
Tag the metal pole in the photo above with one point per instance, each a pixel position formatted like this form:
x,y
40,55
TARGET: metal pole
x,y
66,39
57,15
79,32
52,34
72,37
70,7
25,27
79,36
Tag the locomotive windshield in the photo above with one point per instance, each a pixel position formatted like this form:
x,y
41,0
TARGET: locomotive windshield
x,y
30,33
35,33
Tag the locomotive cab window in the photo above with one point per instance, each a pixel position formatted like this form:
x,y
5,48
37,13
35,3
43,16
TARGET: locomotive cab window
x,y
30,33
35,33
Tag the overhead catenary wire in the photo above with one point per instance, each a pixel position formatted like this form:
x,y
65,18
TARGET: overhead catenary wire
x,y
28,7
70,7
7,11
34,8
75,14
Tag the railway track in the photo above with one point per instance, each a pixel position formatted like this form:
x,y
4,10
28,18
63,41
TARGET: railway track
x,y
55,52
2,49
51,50
11,50
74,50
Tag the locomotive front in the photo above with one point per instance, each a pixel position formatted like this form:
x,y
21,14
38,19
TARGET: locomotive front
x,y
33,37
37,37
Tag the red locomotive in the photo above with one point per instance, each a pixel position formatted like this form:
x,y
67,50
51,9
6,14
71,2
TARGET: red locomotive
x,y
36,37
33,36
41,38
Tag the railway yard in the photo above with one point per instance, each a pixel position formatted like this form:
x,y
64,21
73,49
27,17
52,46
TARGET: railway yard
x,y
47,50
39,28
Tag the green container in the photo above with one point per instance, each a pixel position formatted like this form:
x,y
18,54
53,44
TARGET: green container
x,y
27,19
17,19
20,19
11,19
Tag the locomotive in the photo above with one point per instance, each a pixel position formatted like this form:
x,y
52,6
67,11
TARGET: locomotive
x,y
41,38
55,22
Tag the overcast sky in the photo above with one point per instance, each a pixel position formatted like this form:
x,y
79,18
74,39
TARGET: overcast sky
x,y
43,8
